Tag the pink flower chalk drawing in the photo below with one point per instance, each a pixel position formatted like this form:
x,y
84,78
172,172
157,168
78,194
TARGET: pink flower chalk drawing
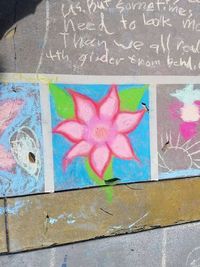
x,y
99,130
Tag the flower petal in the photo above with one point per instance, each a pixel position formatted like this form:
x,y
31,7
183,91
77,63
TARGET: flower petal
x,y
71,130
85,108
109,106
7,162
128,121
8,111
121,147
83,148
99,159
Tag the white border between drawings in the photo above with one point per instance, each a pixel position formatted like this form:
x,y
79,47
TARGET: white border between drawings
x,y
47,138
153,131
90,79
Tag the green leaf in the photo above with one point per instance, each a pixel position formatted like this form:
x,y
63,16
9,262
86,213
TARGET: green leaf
x,y
63,102
108,175
130,98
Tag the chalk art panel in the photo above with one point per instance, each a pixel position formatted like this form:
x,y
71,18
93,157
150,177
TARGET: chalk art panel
x,y
178,109
100,134
21,144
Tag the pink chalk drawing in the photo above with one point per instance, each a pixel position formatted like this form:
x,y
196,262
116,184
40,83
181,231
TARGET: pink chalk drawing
x,y
187,110
9,109
99,130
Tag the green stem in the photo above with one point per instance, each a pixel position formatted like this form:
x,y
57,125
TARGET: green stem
x,y
108,174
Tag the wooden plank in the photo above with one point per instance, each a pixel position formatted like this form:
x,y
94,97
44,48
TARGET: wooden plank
x,y
59,218
3,244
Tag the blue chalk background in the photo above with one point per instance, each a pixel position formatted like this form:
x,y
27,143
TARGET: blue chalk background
x,y
20,182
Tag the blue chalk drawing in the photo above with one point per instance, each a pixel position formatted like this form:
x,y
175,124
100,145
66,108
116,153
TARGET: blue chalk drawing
x,y
64,262
19,181
70,219
13,209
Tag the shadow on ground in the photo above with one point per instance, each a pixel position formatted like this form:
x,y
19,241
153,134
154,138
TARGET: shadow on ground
x,y
11,11
1,65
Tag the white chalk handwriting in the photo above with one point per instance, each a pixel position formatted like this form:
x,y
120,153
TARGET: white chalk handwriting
x,y
132,36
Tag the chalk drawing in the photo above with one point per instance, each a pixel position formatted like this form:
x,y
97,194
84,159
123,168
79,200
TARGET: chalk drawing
x,y
45,36
187,110
118,228
9,109
145,215
53,257
179,150
178,142
64,264
193,258
13,209
2,211
21,143
70,219
164,243
99,132
25,149
52,220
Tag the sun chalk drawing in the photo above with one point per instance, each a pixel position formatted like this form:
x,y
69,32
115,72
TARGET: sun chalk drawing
x,y
179,144
21,145
184,156
100,132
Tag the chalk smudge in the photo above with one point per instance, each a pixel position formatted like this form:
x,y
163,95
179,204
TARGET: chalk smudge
x,y
70,219
2,211
12,209
117,228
